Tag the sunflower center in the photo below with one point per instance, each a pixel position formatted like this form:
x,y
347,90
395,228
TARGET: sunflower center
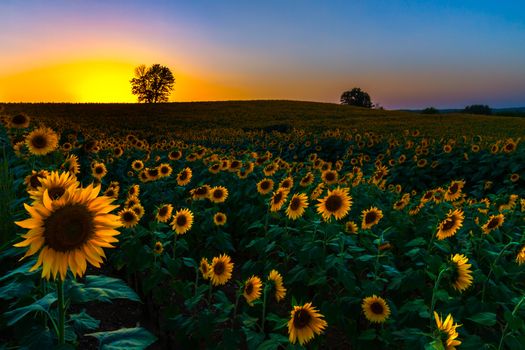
x,y
183,175
181,220
153,172
249,288
39,141
301,319
99,170
201,191
377,308
448,224
219,268
370,217
217,194
330,177
493,223
128,216
278,197
19,119
164,170
453,189
68,227
333,203
219,218
56,192
35,181
163,211
265,185
294,205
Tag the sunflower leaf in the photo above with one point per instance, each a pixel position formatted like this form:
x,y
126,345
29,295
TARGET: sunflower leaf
x,y
124,338
100,288
41,305
484,318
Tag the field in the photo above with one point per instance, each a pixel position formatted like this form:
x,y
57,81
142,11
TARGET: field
x,y
260,225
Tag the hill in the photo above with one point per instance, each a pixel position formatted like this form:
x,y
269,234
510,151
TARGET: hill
x,y
268,113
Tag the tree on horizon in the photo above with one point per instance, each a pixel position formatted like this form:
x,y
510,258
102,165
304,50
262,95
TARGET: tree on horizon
x,y
356,97
153,84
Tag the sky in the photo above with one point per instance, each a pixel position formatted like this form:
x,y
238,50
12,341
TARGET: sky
x,y
405,54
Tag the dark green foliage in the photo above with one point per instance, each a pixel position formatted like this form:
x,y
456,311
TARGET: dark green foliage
x,y
153,84
478,109
356,97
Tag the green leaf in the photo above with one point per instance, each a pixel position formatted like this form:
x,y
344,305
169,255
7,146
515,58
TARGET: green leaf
x,y
125,338
366,257
83,322
189,262
24,269
41,305
369,334
435,345
419,241
484,318
16,289
100,288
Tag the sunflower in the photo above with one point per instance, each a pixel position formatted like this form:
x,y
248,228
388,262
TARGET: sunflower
x,y
139,210
277,279
175,155
137,165
305,322
329,177
184,177
221,270
462,278
41,141
19,121
219,219
55,184
128,217
337,203
134,190
182,221
112,192
165,170
158,249
131,201
318,190
454,191
447,330
201,192
99,171
218,194
204,268
286,183
351,227
307,180
71,164
265,186
451,224
152,173
164,213
493,223
252,289
33,181
70,231
520,258
278,199
371,217
297,205
376,309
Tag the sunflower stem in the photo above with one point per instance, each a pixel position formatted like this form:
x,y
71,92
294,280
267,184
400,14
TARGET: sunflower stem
x,y
196,280
492,269
504,333
235,308
209,292
264,307
434,290
174,246
61,312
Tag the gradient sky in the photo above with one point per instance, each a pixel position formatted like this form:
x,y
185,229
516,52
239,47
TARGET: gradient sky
x,y
406,54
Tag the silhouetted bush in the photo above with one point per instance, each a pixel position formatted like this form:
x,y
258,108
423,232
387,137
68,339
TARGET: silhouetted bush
x,y
430,110
478,109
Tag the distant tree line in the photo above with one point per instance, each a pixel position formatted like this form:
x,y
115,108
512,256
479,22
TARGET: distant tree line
x,y
472,109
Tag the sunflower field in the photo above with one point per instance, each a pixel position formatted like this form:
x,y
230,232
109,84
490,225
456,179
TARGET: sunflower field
x,y
259,238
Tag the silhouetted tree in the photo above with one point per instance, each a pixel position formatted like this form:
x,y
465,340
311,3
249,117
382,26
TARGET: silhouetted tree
x,y
478,109
153,84
356,97
430,110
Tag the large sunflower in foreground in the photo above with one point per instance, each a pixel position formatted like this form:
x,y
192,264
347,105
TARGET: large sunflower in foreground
x,y
221,270
447,330
462,278
305,322
70,231
41,141
252,289
376,309
277,279
336,203
452,223
297,206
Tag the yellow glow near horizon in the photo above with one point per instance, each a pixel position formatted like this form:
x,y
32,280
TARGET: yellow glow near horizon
x,y
102,81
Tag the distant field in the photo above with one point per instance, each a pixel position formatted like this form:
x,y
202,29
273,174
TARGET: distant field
x,y
259,114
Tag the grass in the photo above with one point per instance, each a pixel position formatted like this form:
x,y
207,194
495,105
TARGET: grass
x,y
264,113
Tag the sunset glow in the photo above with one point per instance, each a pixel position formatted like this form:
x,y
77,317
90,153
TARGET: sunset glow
x,y
427,54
